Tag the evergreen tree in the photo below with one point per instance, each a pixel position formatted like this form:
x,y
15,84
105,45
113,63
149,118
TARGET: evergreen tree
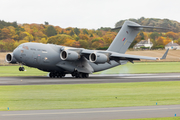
x,y
50,31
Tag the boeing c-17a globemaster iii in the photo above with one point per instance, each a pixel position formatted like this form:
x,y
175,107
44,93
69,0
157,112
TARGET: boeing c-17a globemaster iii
x,y
79,62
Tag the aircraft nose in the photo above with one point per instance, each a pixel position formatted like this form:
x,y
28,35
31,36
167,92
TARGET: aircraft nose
x,y
16,53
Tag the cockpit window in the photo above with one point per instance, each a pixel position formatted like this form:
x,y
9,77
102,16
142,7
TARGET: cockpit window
x,y
20,46
26,47
23,46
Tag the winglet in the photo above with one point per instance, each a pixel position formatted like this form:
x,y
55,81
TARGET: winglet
x,y
165,54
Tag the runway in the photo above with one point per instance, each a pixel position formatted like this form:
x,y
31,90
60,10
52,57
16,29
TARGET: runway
x,y
94,113
118,78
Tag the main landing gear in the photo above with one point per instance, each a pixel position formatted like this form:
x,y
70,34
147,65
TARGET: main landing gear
x,y
21,68
56,75
77,74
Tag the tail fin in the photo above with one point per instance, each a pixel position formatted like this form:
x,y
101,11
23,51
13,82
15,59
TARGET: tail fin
x,y
126,35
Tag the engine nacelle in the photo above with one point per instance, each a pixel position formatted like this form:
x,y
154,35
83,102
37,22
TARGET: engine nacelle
x,y
69,55
98,58
10,58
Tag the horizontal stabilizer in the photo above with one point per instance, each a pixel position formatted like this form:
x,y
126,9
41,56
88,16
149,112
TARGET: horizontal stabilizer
x,y
133,26
116,28
152,27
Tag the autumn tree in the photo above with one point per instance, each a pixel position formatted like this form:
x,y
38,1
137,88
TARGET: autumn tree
x,y
62,39
171,35
26,36
154,35
83,44
83,36
9,44
5,33
98,43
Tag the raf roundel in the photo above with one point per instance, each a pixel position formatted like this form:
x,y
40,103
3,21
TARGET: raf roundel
x,y
123,39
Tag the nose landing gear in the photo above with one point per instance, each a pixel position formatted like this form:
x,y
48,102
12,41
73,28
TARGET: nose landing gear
x,y
21,68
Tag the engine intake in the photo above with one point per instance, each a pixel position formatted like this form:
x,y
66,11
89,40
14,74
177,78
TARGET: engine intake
x,y
98,58
10,58
69,55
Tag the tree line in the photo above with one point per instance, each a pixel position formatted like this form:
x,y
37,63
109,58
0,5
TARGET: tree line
x,y
13,34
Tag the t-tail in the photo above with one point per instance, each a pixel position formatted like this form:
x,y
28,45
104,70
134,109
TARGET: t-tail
x,y
126,35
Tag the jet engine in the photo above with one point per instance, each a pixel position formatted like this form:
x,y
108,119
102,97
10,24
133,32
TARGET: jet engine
x,y
98,58
10,58
69,55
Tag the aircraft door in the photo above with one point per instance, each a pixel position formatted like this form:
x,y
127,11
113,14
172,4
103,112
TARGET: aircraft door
x,y
39,59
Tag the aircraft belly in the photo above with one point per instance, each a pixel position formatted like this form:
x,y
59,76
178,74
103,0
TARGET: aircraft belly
x,y
81,65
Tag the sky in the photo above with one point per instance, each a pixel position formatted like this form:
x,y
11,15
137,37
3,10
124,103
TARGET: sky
x,y
90,14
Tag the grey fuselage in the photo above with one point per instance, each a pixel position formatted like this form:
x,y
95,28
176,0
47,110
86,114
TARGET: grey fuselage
x,y
46,57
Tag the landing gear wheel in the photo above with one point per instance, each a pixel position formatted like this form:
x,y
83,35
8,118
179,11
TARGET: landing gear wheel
x,y
59,75
80,75
63,75
56,74
21,69
85,75
50,74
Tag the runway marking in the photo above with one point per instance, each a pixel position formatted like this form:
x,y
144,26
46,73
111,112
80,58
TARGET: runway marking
x,y
83,112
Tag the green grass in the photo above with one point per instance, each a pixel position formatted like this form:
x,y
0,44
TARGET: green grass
x,y
166,118
139,67
14,71
145,67
34,97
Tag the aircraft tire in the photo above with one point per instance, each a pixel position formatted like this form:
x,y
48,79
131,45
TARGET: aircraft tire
x,y
63,75
20,69
80,75
86,75
51,75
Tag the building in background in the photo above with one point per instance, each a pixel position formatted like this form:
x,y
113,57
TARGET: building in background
x,y
172,46
143,44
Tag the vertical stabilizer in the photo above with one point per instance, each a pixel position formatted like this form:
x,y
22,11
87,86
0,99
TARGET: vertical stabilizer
x,y
124,37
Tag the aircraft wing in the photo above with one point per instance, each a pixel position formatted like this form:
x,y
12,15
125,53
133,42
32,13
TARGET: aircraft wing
x,y
130,57
135,57
119,56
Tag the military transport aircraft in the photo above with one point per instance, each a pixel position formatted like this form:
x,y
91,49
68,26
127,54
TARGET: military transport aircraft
x,y
79,62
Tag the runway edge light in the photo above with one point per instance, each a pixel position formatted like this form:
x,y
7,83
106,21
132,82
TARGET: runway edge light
x,y
8,108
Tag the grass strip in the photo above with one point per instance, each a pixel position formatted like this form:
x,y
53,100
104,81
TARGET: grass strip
x,y
144,67
139,67
39,97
